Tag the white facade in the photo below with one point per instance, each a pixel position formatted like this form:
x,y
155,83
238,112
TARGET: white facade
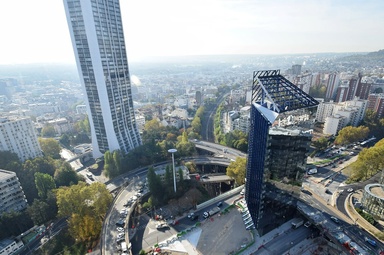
x,y
98,41
8,246
334,124
17,134
11,193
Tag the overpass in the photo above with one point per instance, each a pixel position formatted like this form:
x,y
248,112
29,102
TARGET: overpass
x,y
80,156
218,149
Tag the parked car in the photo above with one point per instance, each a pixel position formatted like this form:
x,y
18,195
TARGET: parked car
x,y
194,217
219,204
350,190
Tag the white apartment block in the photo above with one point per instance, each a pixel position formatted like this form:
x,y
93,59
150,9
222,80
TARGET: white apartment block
x,y
11,193
8,246
81,109
334,124
237,120
17,134
61,126
324,110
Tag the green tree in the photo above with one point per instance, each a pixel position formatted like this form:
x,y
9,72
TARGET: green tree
x,y
86,205
50,147
237,170
65,175
351,134
65,140
44,183
48,131
155,186
39,212
321,143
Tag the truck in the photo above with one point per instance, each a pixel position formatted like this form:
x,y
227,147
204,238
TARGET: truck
x,y
211,212
297,223
312,171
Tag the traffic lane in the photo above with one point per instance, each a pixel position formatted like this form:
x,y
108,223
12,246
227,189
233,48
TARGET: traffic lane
x,y
358,236
284,241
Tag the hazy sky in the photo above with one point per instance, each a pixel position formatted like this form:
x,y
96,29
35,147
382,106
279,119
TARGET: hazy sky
x,y
36,30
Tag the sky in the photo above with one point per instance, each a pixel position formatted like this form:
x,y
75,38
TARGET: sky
x,y
36,31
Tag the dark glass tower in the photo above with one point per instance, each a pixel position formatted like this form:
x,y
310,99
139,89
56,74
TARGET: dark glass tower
x,y
97,37
271,94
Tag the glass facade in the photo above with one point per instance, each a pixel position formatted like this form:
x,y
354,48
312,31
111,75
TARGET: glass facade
x,y
373,199
98,41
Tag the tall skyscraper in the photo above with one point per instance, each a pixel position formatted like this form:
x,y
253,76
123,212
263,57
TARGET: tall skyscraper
x,y
332,85
272,94
98,41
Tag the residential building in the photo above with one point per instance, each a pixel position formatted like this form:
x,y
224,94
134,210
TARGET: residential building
x,y
376,104
10,246
98,41
268,103
353,85
363,90
61,126
342,93
11,193
324,110
17,134
332,85
296,69
334,124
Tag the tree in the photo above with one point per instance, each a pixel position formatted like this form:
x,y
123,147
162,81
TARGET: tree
x,y
38,212
237,170
351,134
155,187
321,143
65,140
65,175
50,147
44,183
86,205
48,131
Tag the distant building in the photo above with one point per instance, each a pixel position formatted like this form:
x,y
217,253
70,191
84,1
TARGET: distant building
x,y
161,172
376,104
61,126
17,134
324,110
11,193
334,124
332,86
342,93
81,109
296,69
353,87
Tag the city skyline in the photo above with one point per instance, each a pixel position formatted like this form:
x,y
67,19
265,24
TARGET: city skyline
x,y
213,27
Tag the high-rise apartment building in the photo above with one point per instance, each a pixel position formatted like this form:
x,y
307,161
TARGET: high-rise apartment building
x,y
332,85
376,104
98,41
272,94
11,193
17,135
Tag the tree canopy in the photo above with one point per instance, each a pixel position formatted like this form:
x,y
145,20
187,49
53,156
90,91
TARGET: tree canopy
x,y
237,170
86,205
351,134
50,147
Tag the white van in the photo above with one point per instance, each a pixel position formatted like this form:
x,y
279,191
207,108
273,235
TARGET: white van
x,y
124,247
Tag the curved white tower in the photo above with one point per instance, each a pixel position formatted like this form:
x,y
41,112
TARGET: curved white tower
x,y
98,41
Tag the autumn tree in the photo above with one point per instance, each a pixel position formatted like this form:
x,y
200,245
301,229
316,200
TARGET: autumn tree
x,y
48,131
369,162
351,134
86,207
237,170
50,147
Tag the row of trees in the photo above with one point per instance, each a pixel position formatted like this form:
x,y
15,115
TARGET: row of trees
x,y
369,162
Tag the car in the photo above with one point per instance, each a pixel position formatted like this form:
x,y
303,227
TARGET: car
x,y
120,239
162,226
120,229
336,220
194,217
205,177
191,214
120,235
350,190
370,241
328,192
307,224
219,204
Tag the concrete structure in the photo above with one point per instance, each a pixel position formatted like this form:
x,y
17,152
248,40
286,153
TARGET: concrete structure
x,y
11,193
17,134
272,94
334,124
373,199
98,41
8,246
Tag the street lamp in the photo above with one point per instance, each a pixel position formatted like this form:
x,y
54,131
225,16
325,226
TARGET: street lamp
x,y
173,163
